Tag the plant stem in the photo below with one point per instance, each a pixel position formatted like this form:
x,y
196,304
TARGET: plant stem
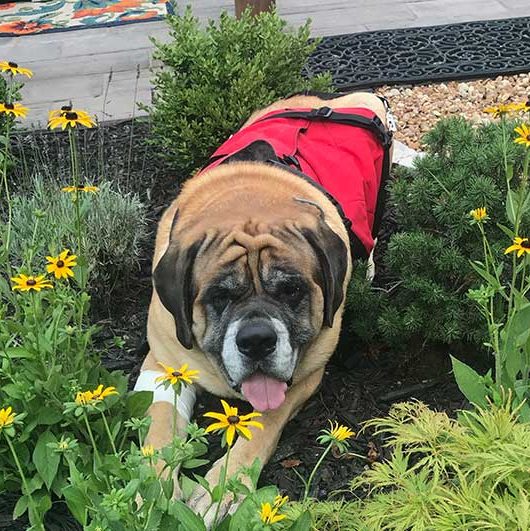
x,y
91,435
223,485
107,429
23,478
315,468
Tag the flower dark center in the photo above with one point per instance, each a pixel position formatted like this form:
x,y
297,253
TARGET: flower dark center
x,y
66,108
31,282
176,374
525,245
233,419
12,65
9,106
81,187
528,137
70,115
59,263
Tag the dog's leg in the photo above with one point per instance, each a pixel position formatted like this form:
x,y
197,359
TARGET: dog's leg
x,y
261,446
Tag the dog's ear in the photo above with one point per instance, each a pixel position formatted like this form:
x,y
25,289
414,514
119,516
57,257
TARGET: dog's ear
x,y
173,279
332,255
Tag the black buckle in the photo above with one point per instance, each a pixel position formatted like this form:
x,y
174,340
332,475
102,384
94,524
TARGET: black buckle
x,y
291,160
384,135
323,112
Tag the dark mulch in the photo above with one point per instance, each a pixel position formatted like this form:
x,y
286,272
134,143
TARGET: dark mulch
x,y
360,383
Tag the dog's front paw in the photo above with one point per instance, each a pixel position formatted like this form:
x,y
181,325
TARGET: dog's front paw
x,y
200,503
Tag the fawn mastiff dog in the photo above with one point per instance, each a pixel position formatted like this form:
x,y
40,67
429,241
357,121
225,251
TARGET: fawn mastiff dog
x,y
253,258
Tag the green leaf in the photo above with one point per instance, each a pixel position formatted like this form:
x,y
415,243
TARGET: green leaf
x,y
20,507
46,460
302,523
470,383
77,503
509,232
194,463
512,200
138,403
49,416
186,517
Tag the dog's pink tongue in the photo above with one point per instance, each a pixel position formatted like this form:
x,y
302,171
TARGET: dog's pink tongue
x,y
264,392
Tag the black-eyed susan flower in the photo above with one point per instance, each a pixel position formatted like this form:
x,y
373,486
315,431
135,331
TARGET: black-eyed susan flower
x,y
80,188
16,109
337,435
30,282
479,215
13,69
231,423
84,398
280,500
71,118
56,113
499,110
269,514
174,376
521,245
61,266
148,450
7,417
524,135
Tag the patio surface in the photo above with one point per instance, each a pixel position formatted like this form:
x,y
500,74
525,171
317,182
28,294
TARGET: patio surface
x,y
106,70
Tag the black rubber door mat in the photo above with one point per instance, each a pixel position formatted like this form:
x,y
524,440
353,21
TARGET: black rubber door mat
x,y
434,53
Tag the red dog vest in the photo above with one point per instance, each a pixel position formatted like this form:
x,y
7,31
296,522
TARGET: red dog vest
x,y
344,151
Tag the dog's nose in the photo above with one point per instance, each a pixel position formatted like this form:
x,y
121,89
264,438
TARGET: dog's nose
x,y
256,340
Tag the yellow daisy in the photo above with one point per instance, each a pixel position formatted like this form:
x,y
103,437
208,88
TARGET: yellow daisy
x,y
27,283
61,265
269,514
148,450
340,433
71,118
17,110
80,188
57,113
7,417
524,135
14,69
521,245
230,422
499,110
82,398
174,376
479,214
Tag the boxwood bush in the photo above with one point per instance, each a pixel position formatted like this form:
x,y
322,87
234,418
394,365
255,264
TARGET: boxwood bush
x,y
212,79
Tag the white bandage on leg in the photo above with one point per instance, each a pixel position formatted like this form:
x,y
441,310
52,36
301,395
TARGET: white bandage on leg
x,y
185,399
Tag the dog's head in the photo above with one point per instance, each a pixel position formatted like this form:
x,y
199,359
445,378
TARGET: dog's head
x,y
253,296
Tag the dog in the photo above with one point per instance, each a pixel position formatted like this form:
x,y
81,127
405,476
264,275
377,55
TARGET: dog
x,y
253,258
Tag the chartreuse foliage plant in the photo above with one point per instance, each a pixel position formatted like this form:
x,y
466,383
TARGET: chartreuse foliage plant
x,y
444,474
429,259
214,78
502,298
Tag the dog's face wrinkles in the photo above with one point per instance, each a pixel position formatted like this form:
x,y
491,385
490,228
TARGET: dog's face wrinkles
x,y
258,314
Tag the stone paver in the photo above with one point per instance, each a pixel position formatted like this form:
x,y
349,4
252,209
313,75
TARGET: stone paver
x,y
101,69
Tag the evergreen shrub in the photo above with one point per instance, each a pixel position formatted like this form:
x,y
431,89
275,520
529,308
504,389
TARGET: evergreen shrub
x,y
214,78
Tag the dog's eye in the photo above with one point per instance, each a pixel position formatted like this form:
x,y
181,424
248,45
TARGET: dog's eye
x,y
220,298
290,291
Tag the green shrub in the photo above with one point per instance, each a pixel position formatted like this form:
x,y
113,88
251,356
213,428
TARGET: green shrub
x,y
115,229
443,475
430,255
214,78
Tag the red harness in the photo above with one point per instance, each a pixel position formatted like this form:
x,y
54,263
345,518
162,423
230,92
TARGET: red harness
x,y
349,163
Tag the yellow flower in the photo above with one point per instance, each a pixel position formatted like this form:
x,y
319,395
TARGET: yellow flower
x,y
231,422
280,500
7,417
499,110
81,188
82,398
15,109
523,106
27,283
524,135
174,376
269,514
148,450
14,69
61,265
71,118
479,214
57,113
62,445
340,433
521,245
